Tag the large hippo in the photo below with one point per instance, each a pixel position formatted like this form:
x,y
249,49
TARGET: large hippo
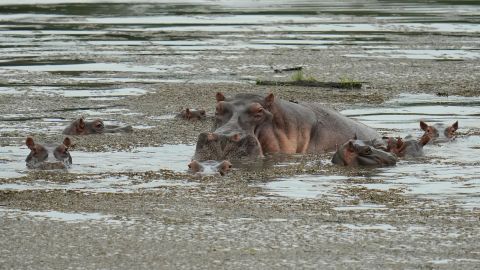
x,y
209,167
278,126
362,153
39,157
439,132
82,127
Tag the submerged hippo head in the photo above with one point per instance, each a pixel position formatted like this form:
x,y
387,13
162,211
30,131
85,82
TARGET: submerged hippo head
x,y
40,158
82,127
359,153
210,167
212,146
192,114
407,147
437,131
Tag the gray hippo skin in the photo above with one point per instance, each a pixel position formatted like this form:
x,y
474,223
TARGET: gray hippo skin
x,y
439,132
40,158
82,127
279,126
361,153
191,114
209,167
407,147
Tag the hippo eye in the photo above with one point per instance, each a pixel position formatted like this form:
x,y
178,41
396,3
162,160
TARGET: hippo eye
x,y
230,166
190,166
367,151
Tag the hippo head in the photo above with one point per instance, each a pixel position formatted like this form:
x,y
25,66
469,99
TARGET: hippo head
x,y
358,153
237,122
192,114
209,167
39,157
82,127
411,147
433,131
212,146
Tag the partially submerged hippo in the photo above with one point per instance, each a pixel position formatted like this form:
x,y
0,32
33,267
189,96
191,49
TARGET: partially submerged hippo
x,y
39,157
191,114
209,167
362,153
407,147
82,127
438,132
279,126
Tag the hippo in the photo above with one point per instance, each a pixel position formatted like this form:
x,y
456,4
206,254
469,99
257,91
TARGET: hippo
x,y
407,147
212,146
361,153
39,157
438,132
191,114
279,126
82,127
209,167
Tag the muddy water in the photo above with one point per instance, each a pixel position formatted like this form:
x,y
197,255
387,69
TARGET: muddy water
x,y
168,157
79,43
448,171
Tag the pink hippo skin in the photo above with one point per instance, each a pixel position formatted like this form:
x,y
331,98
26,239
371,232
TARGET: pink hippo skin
x,y
209,167
82,127
40,158
191,114
362,153
438,132
270,125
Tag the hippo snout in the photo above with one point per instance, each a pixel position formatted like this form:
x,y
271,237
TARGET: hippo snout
x,y
215,146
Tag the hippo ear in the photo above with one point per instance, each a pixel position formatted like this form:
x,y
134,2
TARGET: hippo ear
x,y
30,143
355,136
67,142
424,140
455,126
81,123
188,113
350,146
219,96
423,126
269,99
399,142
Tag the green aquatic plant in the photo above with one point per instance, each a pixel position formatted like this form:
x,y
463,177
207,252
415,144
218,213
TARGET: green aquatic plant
x,y
348,82
299,76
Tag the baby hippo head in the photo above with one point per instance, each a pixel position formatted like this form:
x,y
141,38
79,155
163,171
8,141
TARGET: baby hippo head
x,y
439,130
192,114
209,167
82,127
359,153
41,157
